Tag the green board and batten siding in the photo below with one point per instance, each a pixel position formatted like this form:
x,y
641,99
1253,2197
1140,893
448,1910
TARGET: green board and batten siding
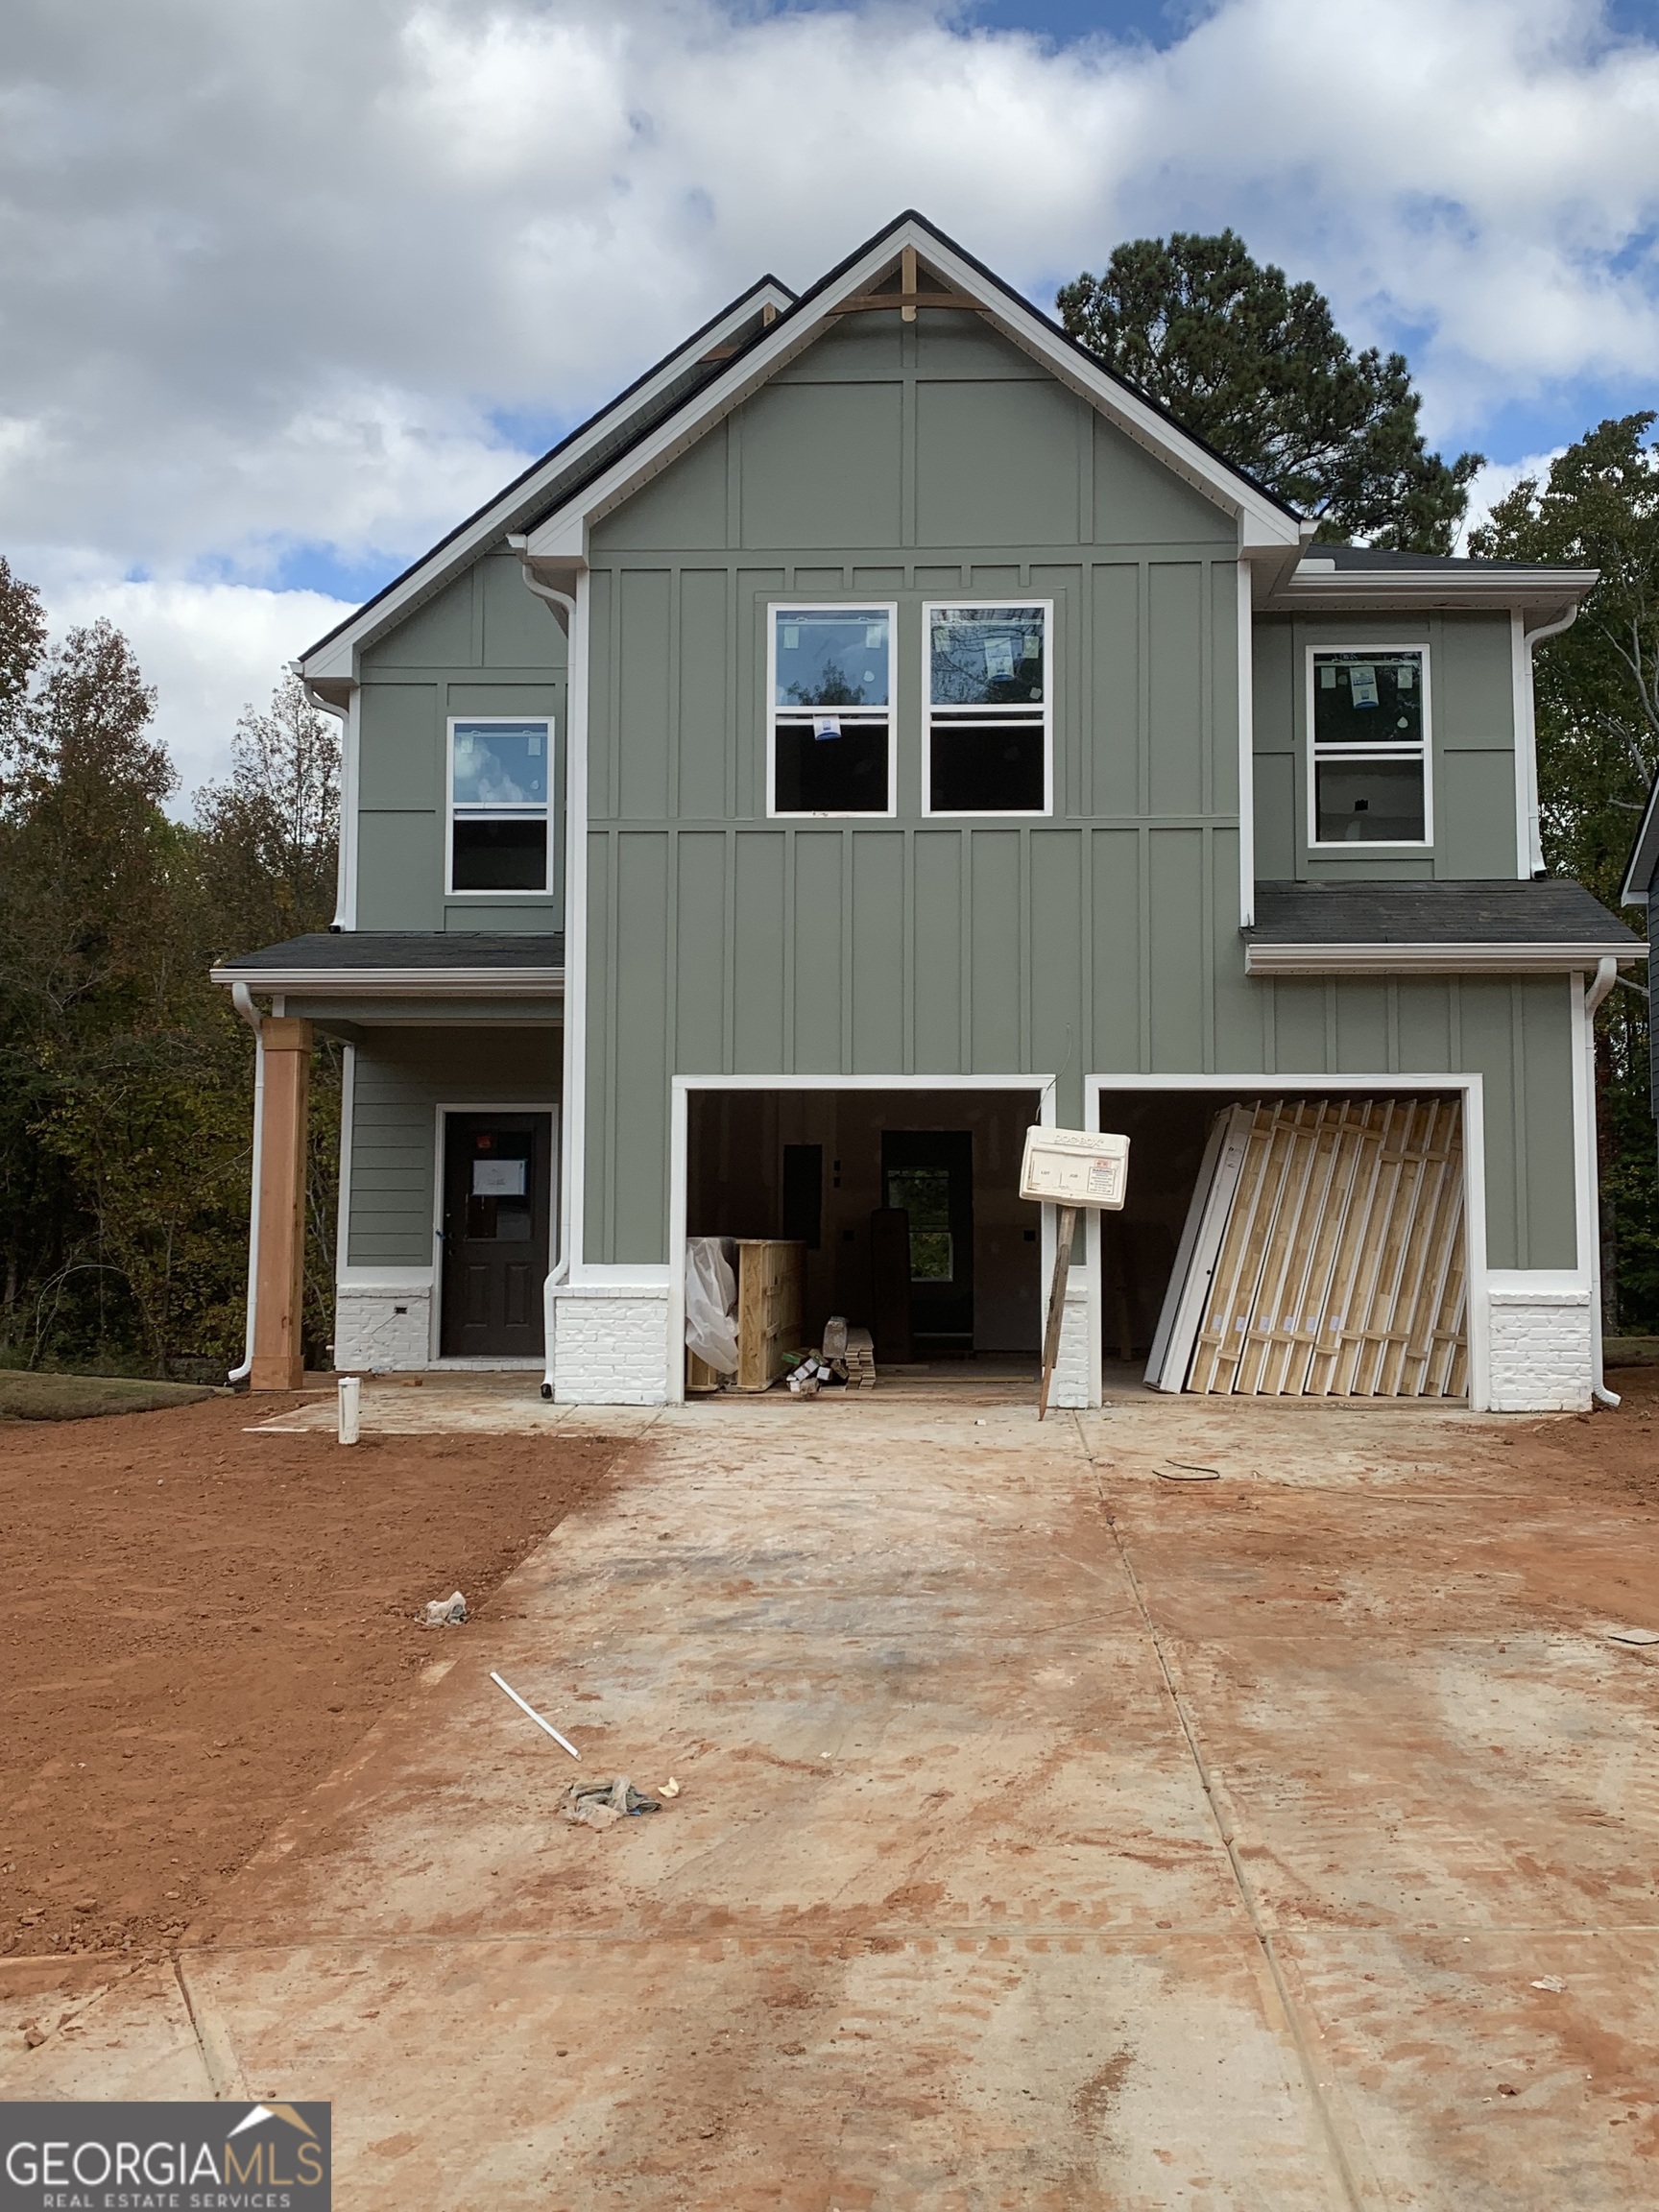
x,y
936,460
484,645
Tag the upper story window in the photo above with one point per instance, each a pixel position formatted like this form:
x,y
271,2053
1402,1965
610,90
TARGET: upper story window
x,y
830,680
500,780
1368,724
988,710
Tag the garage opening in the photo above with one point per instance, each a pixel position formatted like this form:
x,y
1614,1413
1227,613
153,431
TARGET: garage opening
x,y
1277,1246
902,1212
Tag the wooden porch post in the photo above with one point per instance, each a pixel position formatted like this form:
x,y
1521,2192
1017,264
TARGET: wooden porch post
x,y
279,1357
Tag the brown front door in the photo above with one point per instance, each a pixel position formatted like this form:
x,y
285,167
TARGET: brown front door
x,y
496,1181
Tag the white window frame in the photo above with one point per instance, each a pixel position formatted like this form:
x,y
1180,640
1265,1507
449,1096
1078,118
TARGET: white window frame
x,y
777,611
1008,713
505,814
1422,750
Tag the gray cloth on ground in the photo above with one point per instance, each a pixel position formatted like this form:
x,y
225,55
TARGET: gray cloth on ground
x,y
602,1804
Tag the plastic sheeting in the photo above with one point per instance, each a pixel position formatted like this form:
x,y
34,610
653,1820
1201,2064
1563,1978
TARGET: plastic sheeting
x,y
712,1303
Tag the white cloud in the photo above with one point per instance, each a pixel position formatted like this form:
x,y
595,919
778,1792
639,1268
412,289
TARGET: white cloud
x,y
274,273
1499,478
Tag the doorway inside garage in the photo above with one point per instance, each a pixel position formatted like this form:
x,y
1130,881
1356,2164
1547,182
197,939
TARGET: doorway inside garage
x,y
904,1205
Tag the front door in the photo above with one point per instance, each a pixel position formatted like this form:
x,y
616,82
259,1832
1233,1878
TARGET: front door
x,y
929,1173
496,1181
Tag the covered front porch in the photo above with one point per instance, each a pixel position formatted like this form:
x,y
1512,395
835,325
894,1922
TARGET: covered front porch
x,y
449,1173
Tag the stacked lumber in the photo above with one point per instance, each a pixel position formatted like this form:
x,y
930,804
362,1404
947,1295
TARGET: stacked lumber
x,y
860,1358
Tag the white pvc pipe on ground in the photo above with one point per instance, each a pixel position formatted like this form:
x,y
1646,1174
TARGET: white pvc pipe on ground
x,y
350,1407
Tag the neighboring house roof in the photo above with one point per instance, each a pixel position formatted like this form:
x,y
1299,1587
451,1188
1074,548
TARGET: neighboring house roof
x,y
372,963
1424,927
693,363
1643,865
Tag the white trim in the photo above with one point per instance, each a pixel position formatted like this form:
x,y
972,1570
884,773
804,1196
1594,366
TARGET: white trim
x,y
397,982
573,1150
680,1090
336,657
440,1116
1022,717
775,609
528,812
561,535
343,1203
1311,589
1435,959
1246,752
350,785
394,1281
1421,750
1471,1089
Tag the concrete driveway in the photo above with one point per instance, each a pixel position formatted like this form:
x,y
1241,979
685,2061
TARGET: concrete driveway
x,y
1059,1827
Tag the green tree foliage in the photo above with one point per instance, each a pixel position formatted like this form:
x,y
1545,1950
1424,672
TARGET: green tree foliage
x,y
125,1078
1596,687
1257,367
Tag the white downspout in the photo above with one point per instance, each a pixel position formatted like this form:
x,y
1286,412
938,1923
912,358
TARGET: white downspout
x,y
1606,976
242,998
1534,825
561,1268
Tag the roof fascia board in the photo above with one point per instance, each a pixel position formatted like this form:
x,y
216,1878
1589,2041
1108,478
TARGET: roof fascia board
x,y
1429,959
395,983
334,659
1344,591
560,537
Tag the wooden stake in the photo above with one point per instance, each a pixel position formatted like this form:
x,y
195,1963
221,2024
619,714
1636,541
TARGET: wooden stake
x,y
1064,1229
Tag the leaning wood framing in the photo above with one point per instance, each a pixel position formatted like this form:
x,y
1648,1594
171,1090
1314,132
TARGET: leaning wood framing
x,y
1340,1272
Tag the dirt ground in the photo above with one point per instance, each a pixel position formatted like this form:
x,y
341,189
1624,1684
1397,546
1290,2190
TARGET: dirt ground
x,y
197,1622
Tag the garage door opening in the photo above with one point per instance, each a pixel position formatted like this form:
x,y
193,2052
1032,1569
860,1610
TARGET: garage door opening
x,y
1277,1246
902,1210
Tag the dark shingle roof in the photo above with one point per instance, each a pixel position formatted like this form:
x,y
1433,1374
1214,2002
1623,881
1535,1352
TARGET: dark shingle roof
x,y
342,952
1554,911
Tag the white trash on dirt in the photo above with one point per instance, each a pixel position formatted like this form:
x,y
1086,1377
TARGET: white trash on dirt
x,y
445,1612
1633,1635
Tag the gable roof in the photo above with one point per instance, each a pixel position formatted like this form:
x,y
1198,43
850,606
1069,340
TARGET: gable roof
x,y
1265,522
662,388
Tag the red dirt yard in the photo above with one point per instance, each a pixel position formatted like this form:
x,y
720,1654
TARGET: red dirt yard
x,y
200,1622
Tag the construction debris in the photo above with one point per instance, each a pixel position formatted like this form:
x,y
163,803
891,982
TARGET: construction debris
x,y
1633,1635
445,1612
524,1706
602,1804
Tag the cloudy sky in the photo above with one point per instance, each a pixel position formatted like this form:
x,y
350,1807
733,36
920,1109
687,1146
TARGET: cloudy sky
x,y
288,286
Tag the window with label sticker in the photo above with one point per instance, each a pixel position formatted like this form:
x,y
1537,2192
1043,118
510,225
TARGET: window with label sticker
x,y
987,709
830,686
499,799
1369,746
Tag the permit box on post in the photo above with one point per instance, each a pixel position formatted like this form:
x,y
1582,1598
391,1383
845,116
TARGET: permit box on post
x,y
1074,1169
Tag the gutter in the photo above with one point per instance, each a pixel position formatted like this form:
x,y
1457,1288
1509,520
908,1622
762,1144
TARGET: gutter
x,y
1534,817
564,605
395,983
242,999
1606,976
1432,959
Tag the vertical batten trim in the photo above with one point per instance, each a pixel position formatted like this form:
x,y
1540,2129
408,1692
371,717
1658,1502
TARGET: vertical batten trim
x,y
909,464
1143,944
965,1004
788,1054
1143,686
1518,1091
613,1026
849,972
1246,643
728,953
343,1205
1025,938
907,970
676,689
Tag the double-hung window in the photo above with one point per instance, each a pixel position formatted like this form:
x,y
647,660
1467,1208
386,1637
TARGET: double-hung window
x,y
830,679
988,710
500,776
1369,729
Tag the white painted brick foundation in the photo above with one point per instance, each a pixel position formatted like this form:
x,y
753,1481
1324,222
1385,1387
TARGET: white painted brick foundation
x,y
1071,1369
382,1329
1541,1351
610,1345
